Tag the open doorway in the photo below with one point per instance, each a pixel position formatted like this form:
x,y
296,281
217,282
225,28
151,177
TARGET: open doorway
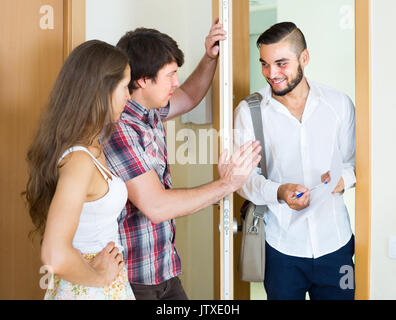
x,y
329,29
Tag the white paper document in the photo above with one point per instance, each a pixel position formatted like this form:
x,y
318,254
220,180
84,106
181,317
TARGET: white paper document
x,y
321,193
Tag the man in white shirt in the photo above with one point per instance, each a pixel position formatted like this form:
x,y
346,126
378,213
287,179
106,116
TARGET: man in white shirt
x,y
305,124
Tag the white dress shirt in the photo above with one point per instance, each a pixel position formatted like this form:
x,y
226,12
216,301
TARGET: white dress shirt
x,y
300,152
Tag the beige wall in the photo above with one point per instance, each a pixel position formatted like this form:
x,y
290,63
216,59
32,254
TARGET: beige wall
x,y
188,22
383,156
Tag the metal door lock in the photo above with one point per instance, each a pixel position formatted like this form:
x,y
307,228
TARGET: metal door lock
x,y
235,227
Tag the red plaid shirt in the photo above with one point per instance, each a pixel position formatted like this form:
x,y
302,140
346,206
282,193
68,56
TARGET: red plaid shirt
x,y
137,146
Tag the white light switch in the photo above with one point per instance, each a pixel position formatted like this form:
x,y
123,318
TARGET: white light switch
x,y
392,247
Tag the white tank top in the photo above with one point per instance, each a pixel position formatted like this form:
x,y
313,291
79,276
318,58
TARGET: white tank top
x,y
98,221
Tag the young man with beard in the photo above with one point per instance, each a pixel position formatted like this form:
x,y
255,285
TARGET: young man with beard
x,y
137,153
304,123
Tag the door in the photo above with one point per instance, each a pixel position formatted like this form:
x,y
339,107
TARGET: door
x,y
240,52
31,55
337,25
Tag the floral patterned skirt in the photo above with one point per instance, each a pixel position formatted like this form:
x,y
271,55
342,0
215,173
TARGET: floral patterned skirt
x,y
119,289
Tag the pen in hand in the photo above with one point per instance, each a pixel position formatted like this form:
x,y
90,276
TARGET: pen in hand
x,y
299,195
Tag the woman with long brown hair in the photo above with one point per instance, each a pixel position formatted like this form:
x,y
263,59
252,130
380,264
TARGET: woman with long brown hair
x,y
74,200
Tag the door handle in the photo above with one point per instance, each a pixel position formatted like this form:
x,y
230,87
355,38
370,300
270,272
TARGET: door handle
x,y
235,227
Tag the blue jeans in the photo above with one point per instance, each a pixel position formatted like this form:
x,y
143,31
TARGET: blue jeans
x,y
330,277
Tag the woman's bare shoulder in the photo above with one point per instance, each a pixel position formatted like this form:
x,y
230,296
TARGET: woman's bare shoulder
x,y
77,164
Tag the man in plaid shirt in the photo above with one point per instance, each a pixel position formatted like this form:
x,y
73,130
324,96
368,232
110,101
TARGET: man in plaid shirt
x,y
137,153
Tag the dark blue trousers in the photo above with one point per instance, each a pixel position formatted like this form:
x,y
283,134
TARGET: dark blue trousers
x,y
330,277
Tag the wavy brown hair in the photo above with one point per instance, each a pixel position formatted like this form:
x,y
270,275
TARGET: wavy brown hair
x,y
78,111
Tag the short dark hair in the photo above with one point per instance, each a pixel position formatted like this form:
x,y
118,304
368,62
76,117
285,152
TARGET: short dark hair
x,y
148,51
284,31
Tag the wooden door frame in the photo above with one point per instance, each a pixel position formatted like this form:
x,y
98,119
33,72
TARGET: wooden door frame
x,y
363,142
73,25
363,150
241,86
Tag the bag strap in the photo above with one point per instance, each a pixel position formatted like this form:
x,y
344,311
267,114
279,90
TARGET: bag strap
x,y
254,101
